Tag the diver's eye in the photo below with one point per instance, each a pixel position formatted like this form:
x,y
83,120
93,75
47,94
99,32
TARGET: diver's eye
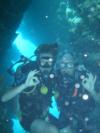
x,y
70,65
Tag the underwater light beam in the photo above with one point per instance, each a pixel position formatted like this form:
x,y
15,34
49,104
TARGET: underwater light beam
x,y
24,46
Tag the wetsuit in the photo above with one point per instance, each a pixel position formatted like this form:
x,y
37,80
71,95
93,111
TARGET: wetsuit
x,y
33,105
75,104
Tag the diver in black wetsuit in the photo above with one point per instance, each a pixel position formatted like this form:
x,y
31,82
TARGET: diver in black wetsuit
x,y
37,99
34,83
75,100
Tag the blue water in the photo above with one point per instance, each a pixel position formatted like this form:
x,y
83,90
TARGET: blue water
x,y
17,127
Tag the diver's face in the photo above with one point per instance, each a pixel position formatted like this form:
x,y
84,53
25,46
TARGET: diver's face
x,y
67,65
46,62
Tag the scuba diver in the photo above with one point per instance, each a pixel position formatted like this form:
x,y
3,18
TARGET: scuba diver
x,y
76,100
34,84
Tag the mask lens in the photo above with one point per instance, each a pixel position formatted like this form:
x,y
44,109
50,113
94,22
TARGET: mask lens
x,y
67,65
70,65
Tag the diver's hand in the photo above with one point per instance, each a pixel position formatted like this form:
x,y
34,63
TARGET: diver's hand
x,y
89,82
32,79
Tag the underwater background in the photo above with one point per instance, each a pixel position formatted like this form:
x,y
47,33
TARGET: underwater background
x,y
24,24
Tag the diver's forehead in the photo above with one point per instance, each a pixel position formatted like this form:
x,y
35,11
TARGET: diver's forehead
x,y
68,57
67,60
